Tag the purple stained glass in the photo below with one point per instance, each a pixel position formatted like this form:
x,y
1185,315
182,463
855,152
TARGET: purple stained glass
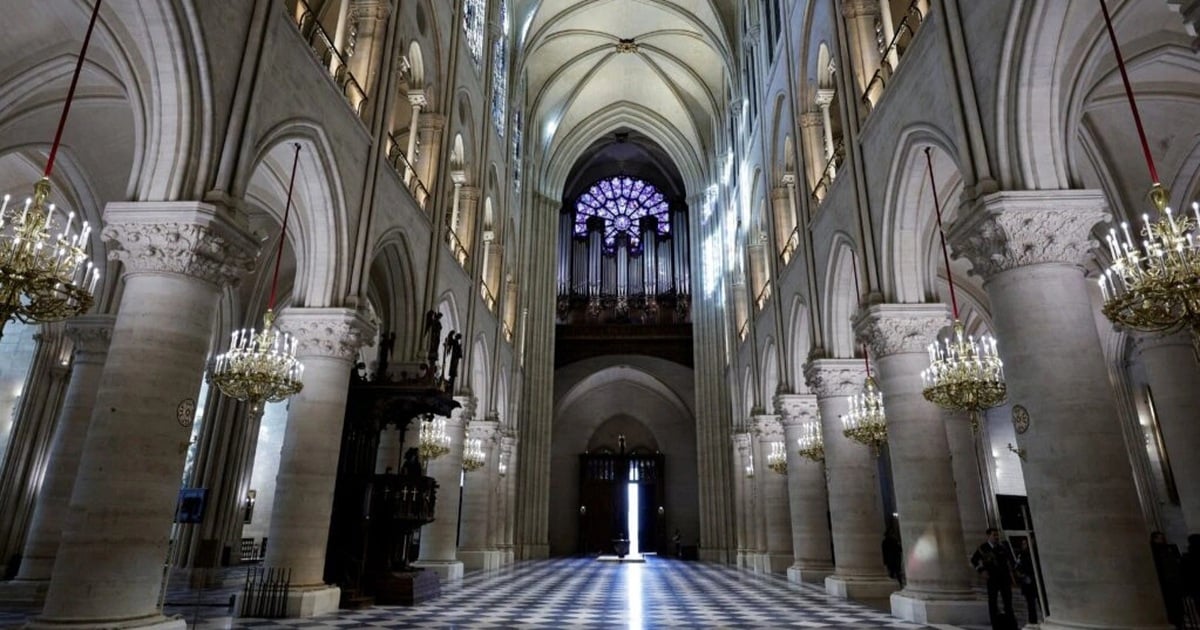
x,y
621,201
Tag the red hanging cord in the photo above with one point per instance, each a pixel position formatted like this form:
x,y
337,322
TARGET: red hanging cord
x,y
1137,118
287,210
937,206
62,121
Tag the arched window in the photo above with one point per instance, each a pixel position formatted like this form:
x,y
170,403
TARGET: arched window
x,y
500,71
474,13
621,201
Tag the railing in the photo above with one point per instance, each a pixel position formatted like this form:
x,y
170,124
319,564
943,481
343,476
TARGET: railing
x,y
403,167
322,46
456,246
488,298
744,330
508,331
821,190
904,32
763,296
790,247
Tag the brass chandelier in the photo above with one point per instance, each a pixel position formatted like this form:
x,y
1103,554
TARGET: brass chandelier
x,y
45,275
1153,286
777,458
965,373
812,443
474,456
866,422
261,366
433,441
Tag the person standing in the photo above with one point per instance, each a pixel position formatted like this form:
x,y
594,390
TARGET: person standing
x,y
994,561
893,555
1026,576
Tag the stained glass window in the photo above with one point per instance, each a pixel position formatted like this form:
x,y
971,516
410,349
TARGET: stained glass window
x,y
474,12
500,71
621,201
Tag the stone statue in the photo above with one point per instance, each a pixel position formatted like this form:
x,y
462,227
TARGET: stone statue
x,y
454,352
432,334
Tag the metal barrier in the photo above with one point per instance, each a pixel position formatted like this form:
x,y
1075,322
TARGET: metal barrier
x,y
265,593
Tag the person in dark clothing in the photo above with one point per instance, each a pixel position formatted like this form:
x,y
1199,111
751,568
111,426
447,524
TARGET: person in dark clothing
x,y
1167,565
994,561
1026,573
893,556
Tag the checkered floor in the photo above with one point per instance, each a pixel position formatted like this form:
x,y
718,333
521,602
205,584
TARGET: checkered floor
x,y
576,593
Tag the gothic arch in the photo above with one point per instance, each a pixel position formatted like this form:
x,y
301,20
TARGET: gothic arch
x,y
840,297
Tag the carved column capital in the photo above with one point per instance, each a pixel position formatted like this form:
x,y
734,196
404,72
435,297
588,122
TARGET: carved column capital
x,y
811,120
852,9
796,409
900,328
487,431
335,333
1012,229
370,9
741,441
767,427
830,378
417,99
90,333
192,239
468,195
824,100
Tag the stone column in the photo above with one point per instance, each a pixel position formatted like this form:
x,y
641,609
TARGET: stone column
x,y
508,489
938,586
430,140
812,133
864,50
177,256
1174,381
329,339
439,539
1029,247
973,494
744,500
468,206
417,99
89,335
855,507
773,488
478,504
812,545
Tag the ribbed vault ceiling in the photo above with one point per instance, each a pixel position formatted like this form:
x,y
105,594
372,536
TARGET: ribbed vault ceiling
x,y
579,74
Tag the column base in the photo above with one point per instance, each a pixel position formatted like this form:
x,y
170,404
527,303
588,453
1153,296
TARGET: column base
x,y
153,622
879,588
717,556
1051,624
943,611
31,593
533,552
447,571
302,602
799,574
776,563
481,560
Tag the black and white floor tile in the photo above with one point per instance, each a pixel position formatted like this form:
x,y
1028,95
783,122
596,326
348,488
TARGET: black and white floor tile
x,y
570,593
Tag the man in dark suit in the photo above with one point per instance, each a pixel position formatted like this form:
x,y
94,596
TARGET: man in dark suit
x,y
994,561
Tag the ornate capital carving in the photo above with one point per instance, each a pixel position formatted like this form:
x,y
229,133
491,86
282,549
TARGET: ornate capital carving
x,y
796,409
824,100
626,46
90,333
788,180
741,441
370,9
900,328
830,378
465,413
186,238
327,332
1007,230
468,195
486,430
417,99
860,8
811,120
767,427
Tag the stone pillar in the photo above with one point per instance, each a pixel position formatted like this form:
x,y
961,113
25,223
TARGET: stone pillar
x,y
439,539
508,490
468,207
177,256
938,586
744,501
973,493
329,339
1174,381
773,488
785,220
864,50
89,335
417,99
812,133
1029,247
429,150
478,502
812,545
855,507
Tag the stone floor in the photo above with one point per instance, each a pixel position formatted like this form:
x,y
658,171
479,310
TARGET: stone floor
x,y
566,593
